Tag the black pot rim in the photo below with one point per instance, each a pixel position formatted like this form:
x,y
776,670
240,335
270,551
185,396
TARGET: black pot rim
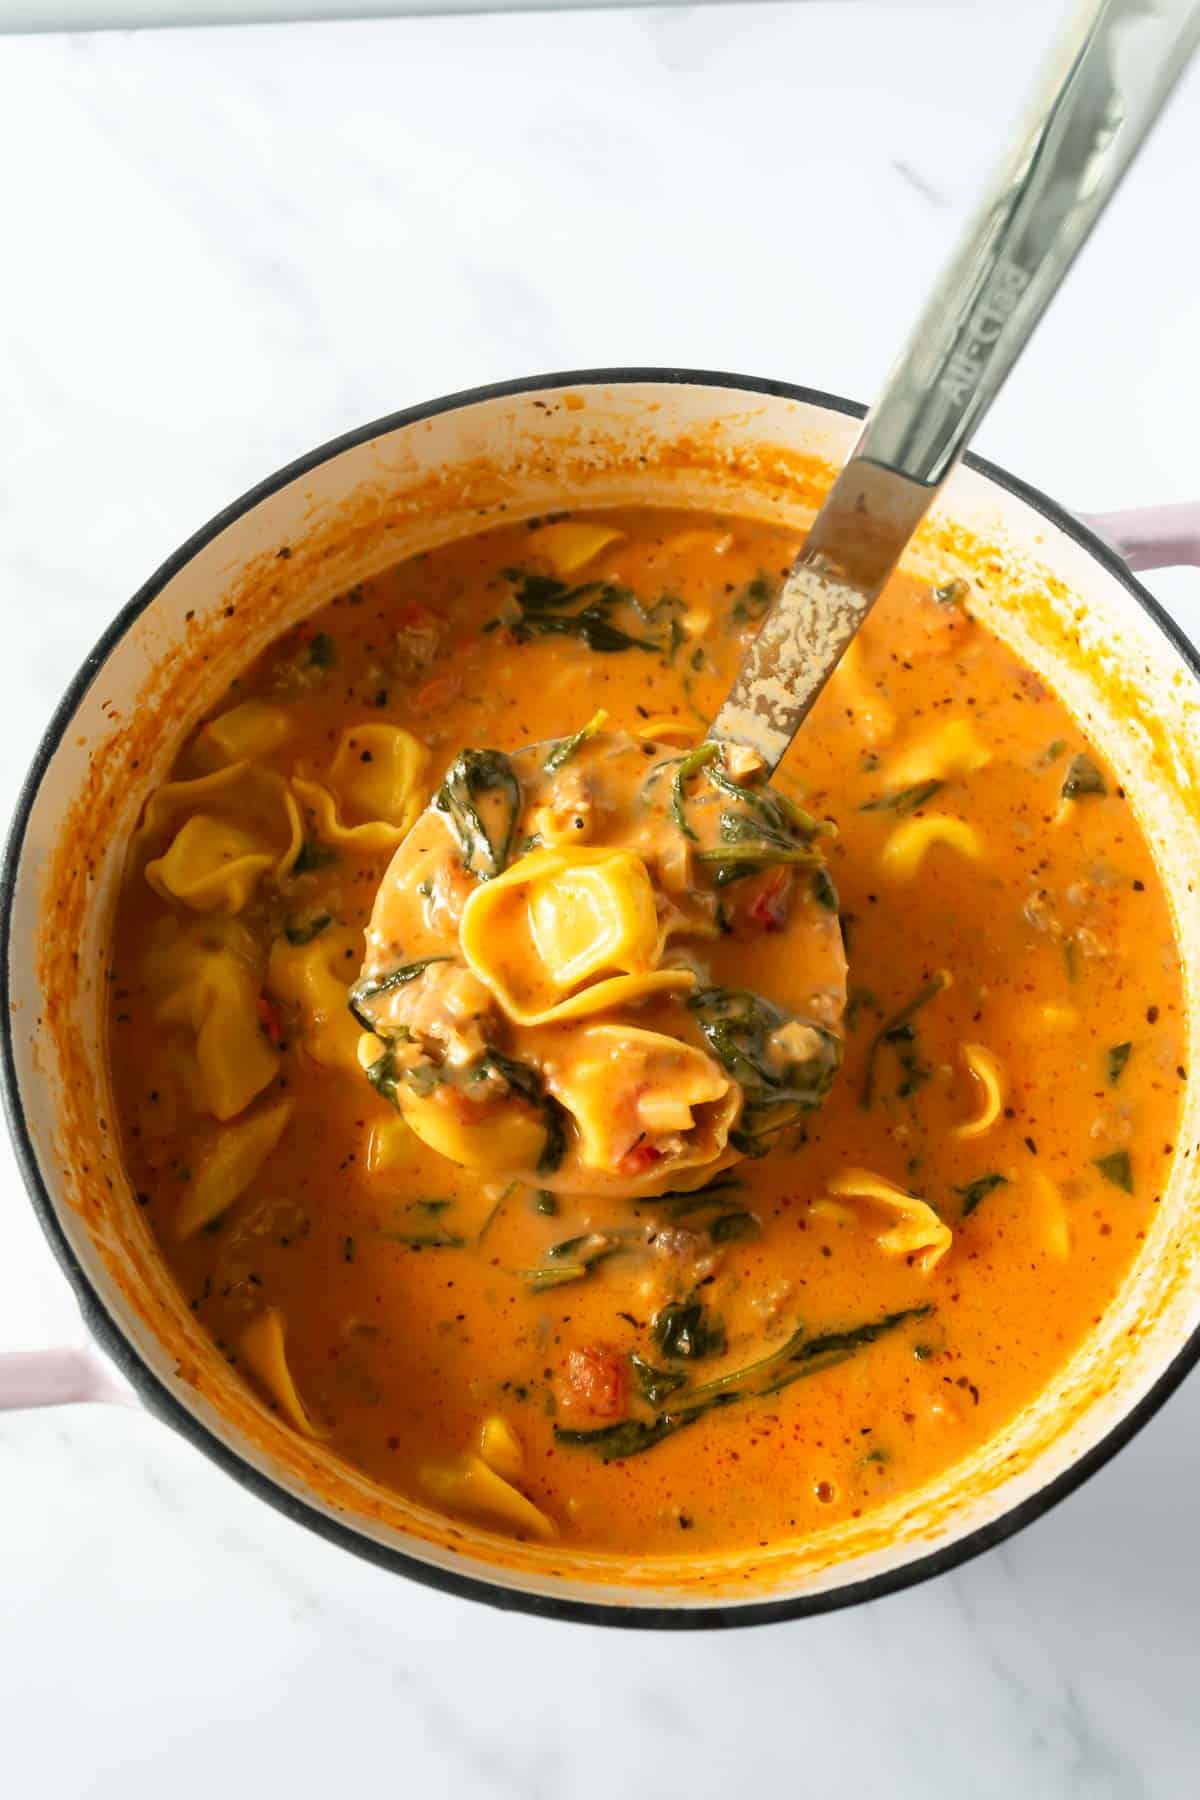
x,y
164,1404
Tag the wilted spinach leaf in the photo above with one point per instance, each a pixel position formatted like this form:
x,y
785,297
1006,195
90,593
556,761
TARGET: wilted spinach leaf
x,y
978,1190
1117,1168
474,777
684,1329
748,1036
1082,778
371,986
655,1384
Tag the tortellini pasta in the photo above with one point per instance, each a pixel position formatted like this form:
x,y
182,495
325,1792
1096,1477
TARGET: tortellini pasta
x,y
226,1169
372,791
989,1073
625,1086
909,843
253,728
482,1483
207,843
207,975
314,978
569,544
668,728
488,1134
501,1448
562,933
874,718
917,1231
263,1351
952,748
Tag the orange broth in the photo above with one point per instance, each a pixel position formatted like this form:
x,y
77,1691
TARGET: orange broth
x,y
402,1339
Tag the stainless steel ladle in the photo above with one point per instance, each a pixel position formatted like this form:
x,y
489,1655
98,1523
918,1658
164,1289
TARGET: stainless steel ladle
x,y
1103,86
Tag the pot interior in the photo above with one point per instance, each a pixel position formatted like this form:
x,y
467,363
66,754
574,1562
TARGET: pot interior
x,y
408,485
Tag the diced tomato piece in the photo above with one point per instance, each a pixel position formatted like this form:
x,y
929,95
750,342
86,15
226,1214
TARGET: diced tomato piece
x,y
598,1379
639,1159
770,904
268,1018
765,902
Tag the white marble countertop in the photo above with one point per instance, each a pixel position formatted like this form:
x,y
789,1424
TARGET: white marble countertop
x,y
224,247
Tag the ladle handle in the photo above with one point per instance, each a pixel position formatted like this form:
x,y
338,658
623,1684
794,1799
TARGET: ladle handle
x,y
1101,90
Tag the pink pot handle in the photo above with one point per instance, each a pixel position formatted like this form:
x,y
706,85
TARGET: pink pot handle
x,y
1151,537
58,1378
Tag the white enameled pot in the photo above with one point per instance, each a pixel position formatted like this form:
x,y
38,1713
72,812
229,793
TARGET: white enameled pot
x,y
1055,588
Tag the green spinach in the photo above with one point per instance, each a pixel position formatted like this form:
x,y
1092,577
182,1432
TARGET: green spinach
x,y
761,829
372,986
303,931
905,800
898,1031
684,1329
1117,1168
312,855
746,1034
565,748
734,1228
526,1082
655,1385
547,607
473,777
823,890
1083,778
572,1259
687,766
975,1192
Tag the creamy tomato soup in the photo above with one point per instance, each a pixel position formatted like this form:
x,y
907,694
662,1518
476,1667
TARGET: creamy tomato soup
x,y
591,1140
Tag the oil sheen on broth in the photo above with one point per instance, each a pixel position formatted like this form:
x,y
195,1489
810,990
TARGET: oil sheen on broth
x,y
804,1334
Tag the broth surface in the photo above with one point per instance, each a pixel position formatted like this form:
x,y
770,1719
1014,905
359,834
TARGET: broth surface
x,y
1013,1054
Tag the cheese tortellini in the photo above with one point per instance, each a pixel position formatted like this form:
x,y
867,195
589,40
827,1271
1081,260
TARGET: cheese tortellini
x,y
313,978
206,978
916,1229
989,1073
229,1164
625,1086
951,748
230,839
568,545
207,844
371,792
910,843
567,932
263,1350
483,1483
253,728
